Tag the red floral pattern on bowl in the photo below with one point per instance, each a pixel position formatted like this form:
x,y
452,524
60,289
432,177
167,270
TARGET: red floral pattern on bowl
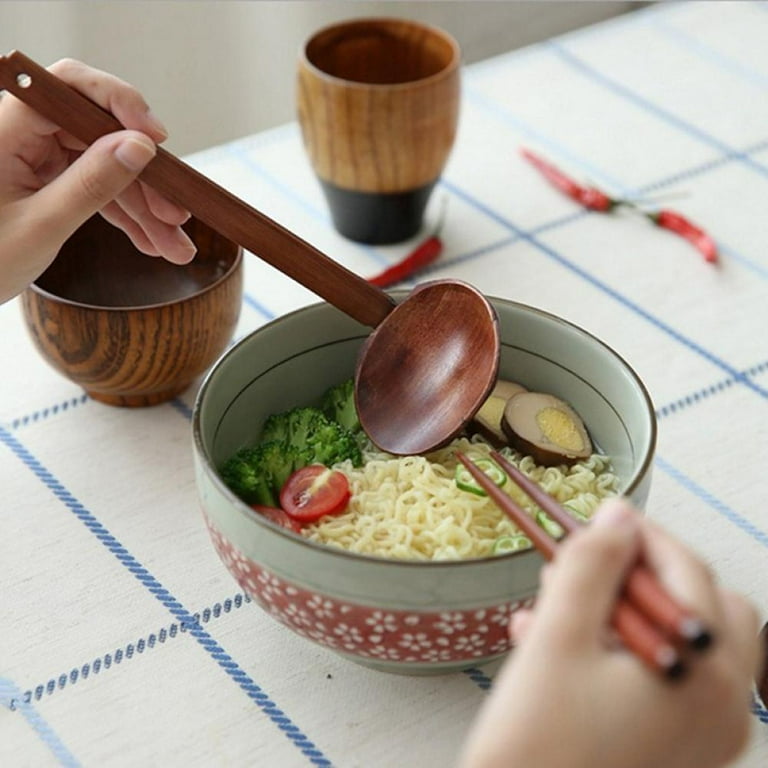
x,y
373,634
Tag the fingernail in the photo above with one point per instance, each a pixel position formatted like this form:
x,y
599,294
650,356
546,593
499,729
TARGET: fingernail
x,y
156,124
134,153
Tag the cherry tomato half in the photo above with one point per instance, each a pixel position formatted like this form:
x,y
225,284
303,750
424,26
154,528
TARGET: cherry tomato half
x,y
277,515
314,491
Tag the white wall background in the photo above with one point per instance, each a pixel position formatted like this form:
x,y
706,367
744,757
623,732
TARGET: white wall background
x,y
214,71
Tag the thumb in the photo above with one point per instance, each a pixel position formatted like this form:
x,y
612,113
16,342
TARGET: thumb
x,y
586,577
96,178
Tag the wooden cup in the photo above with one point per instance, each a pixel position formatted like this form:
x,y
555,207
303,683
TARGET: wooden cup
x,y
130,329
378,105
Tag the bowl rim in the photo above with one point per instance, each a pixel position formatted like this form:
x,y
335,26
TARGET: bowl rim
x,y
56,299
201,455
368,22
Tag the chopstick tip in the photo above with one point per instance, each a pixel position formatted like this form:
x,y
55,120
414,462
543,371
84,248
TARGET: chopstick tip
x,y
696,633
670,663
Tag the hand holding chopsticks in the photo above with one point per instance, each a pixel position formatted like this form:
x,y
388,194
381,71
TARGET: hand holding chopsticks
x,y
648,620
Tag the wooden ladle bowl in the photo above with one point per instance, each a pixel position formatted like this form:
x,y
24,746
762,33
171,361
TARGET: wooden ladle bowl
x,y
133,330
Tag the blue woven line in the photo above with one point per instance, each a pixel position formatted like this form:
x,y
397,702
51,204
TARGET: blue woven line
x,y
756,370
254,303
694,398
712,389
712,501
479,677
646,104
612,184
759,711
535,135
10,697
608,290
290,194
154,587
241,153
705,167
45,413
707,53
182,407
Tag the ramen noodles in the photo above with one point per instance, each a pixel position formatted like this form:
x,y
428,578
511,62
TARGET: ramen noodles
x,y
410,507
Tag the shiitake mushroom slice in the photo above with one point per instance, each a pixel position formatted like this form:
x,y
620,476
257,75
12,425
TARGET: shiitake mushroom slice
x,y
487,421
546,428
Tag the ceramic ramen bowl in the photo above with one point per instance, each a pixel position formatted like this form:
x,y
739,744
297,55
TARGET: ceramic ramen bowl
x,y
130,329
394,615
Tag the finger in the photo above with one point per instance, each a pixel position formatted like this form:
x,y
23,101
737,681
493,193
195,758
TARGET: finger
x,y
113,94
741,627
163,208
170,241
682,573
589,570
99,175
520,625
116,216
116,96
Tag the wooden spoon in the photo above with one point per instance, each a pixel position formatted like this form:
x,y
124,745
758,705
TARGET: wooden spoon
x,y
433,358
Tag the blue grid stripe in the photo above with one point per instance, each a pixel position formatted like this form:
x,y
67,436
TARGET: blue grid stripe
x,y
479,678
10,693
531,133
712,501
647,105
707,53
729,158
53,410
610,291
759,711
251,301
127,652
251,689
612,183
315,212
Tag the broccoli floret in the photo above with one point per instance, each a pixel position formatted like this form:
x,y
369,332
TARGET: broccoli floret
x,y
293,427
277,461
315,438
338,404
290,440
331,444
243,475
256,474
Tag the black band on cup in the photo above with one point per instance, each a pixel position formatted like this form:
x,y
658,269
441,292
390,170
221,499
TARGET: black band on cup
x,y
377,218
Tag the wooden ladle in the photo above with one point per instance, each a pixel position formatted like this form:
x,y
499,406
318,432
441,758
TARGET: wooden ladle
x,y
431,360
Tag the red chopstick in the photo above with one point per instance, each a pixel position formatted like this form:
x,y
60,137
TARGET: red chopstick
x,y
641,586
634,626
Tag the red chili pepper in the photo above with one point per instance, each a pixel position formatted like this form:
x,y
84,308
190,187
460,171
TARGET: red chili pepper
x,y
678,224
596,200
589,197
422,256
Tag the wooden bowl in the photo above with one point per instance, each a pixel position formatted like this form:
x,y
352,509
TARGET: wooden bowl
x,y
130,329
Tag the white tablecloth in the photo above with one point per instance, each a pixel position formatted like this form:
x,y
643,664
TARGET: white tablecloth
x,y
123,640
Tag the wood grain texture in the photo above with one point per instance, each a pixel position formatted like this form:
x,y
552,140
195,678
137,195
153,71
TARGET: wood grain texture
x,y
217,207
130,329
442,343
378,103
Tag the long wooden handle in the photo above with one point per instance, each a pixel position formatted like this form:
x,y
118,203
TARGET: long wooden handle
x,y
212,204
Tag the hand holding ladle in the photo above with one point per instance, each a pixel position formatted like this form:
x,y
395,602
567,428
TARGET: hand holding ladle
x,y
431,360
